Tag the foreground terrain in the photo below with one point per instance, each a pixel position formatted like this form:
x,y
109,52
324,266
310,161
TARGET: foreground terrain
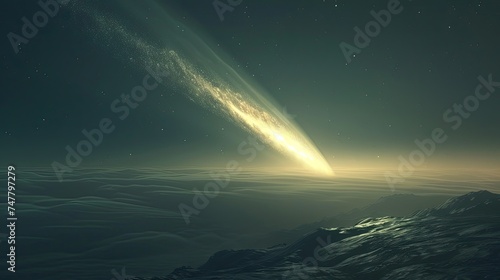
x,y
458,240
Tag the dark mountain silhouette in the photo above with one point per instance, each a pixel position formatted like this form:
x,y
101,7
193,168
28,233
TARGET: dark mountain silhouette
x,y
481,203
396,205
460,239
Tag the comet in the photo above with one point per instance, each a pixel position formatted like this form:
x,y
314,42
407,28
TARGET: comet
x,y
261,119
210,82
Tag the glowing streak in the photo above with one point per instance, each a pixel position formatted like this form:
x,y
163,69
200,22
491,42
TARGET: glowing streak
x,y
268,125
256,115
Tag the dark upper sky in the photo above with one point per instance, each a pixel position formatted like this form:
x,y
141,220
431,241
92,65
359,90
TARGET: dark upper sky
x,y
371,110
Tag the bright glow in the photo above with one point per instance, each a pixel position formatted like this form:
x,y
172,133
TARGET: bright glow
x,y
267,125
211,82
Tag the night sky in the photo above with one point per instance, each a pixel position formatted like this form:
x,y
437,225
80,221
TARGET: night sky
x,y
152,134
359,114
